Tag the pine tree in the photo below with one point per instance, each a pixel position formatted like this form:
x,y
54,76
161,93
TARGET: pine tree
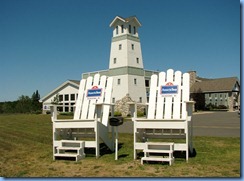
x,y
36,105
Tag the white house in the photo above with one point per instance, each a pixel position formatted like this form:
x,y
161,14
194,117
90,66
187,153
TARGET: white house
x,y
66,94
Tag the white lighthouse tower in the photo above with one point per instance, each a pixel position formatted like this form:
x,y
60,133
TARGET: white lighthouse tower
x,y
126,63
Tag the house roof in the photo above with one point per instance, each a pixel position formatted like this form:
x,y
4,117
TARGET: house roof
x,y
125,20
74,83
216,85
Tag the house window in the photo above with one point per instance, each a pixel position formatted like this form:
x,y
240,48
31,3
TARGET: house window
x,y
135,81
115,60
66,97
66,108
117,30
60,109
72,97
129,28
120,46
72,107
122,28
60,98
132,46
118,81
140,99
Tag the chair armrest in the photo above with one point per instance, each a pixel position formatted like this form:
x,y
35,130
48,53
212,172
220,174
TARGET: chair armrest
x,y
99,107
53,109
106,104
190,102
189,108
133,108
136,103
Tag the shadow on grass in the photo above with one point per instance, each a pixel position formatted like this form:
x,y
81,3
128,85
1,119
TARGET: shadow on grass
x,y
91,152
176,154
104,150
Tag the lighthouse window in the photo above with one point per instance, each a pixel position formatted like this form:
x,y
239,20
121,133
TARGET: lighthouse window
x,y
122,28
147,83
129,28
120,46
137,60
132,46
135,81
117,30
134,30
118,82
115,60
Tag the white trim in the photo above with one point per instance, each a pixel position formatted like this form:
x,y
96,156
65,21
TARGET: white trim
x,y
43,99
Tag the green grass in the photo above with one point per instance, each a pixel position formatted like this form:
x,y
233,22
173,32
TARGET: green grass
x,y
26,151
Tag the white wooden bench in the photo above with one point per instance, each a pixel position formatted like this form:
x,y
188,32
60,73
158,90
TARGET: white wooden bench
x,y
169,112
91,112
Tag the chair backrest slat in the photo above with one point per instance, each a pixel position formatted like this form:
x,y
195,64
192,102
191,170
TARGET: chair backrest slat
x,y
85,105
79,100
185,93
177,98
160,99
168,100
108,100
152,94
102,84
91,110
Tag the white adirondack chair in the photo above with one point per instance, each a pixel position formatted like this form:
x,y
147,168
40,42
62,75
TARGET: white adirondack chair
x,y
169,113
91,112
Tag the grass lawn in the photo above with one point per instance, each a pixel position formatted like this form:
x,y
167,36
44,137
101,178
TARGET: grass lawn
x,y
26,151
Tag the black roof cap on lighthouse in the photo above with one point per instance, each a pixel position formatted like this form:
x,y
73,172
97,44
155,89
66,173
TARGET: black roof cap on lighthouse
x,y
125,20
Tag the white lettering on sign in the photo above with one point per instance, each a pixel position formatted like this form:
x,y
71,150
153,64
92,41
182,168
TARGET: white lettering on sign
x,y
94,92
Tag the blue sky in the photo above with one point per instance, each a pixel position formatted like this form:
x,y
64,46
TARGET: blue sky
x,y
43,43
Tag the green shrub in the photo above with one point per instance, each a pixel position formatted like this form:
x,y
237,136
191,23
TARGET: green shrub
x,y
66,113
140,114
222,107
210,107
117,113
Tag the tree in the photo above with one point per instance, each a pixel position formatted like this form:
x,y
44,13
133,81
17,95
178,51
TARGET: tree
x,y
36,105
55,100
8,107
24,104
36,96
199,97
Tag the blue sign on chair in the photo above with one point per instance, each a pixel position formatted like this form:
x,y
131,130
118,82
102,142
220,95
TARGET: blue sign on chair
x,y
169,89
94,92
